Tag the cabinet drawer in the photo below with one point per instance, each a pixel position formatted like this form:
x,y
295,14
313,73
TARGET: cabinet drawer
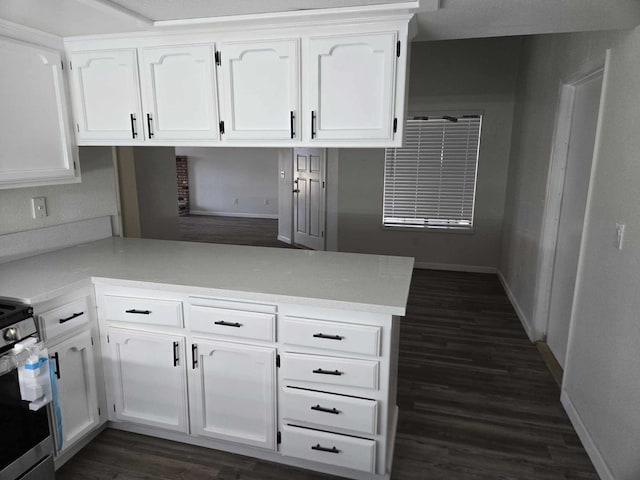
x,y
325,409
344,337
339,450
330,370
66,318
144,311
233,323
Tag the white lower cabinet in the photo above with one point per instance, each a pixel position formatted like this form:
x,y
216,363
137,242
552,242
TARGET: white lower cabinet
x,y
324,447
232,392
148,378
77,394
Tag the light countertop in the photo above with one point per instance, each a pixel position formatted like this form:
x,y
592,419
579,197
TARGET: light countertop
x,y
373,283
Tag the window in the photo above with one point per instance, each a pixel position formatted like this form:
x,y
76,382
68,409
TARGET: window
x,y
431,181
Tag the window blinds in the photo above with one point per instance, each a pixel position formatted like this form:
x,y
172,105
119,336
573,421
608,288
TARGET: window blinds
x,y
431,181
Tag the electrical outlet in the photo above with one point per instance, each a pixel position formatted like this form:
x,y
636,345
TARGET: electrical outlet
x,y
39,207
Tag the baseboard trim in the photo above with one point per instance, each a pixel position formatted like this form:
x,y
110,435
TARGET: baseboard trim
x,y
273,216
454,267
516,306
284,239
587,441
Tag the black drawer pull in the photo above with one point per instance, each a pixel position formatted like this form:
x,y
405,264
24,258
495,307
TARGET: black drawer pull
x,y
228,324
328,337
318,408
313,124
57,368
194,356
75,315
328,372
176,356
134,134
139,312
325,449
292,118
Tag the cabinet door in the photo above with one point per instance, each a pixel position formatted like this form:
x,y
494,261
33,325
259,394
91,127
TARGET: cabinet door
x,y
179,93
260,90
233,392
352,86
77,395
149,379
35,135
106,95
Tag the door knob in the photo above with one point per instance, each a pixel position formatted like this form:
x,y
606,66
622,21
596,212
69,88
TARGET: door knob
x,y
296,191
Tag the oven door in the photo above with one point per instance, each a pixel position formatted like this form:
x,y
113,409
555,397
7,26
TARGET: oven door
x,y
25,441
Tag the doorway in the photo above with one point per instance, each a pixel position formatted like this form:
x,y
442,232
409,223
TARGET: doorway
x,y
309,197
566,203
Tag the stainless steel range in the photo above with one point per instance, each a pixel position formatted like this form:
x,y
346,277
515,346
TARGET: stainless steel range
x,y
25,444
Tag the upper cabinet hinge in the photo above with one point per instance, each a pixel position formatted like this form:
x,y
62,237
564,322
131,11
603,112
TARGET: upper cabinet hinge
x,y
279,438
398,49
218,58
395,125
221,128
278,361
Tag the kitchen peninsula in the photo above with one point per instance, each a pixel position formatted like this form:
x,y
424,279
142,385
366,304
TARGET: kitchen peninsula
x,y
304,343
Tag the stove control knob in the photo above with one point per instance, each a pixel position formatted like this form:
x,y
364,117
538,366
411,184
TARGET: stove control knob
x,y
11,334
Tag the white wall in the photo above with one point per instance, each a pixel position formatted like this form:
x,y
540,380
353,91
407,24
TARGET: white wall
x,y
220,176
549,60
601,389
155,170
602,376
94,197
467,75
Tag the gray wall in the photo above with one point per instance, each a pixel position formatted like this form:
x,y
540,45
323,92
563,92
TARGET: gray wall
x,y
465,75
601,389
155,170
218,176
602,376
93,197
550,60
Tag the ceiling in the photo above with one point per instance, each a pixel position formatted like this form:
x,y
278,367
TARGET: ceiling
x,y
436,19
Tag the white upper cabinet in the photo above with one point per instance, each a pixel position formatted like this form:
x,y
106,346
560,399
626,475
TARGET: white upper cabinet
x,y
352,86
179,94
35,134
260,90
106,96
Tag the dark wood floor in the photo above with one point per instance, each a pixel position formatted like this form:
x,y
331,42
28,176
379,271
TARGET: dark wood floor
x,y
476,402
259,232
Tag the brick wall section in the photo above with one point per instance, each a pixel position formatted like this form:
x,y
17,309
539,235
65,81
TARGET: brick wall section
x,y
182,178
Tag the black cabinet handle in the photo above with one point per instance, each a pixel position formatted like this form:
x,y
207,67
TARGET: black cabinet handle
x,y
149,125
194,356
138,312
228,324
325,449
75,315
176,358
292,117
328,337
313,124
318,408
132,116
328,372
57,369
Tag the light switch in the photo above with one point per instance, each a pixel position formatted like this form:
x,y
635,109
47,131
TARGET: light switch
x,y
619,235
39,205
